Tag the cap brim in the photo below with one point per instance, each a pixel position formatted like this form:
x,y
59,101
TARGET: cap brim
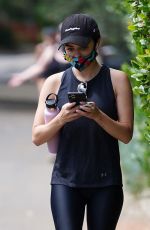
x,y
77,40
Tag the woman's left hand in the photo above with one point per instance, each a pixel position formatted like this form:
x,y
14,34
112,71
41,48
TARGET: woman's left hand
x,y
89,110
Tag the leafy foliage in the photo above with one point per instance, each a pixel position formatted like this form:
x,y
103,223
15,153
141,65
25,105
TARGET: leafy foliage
x,y
136,164
140,71
53,12
139,174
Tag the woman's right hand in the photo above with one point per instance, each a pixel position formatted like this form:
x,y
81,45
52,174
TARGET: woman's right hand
x,y
68,113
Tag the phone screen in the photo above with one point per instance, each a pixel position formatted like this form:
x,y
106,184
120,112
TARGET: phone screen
x,y
76,97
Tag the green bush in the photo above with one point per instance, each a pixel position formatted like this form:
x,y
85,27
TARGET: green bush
x,y
137,166
135,157
140,27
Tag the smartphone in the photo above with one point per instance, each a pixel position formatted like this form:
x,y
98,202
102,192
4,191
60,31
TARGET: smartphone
x,y
77,97
88,104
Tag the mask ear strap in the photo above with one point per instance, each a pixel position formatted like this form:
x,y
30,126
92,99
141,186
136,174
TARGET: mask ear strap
x,y
96,45
95,48
64,55
67,57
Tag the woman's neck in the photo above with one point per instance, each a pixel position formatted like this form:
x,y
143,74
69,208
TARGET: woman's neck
x,y
90,72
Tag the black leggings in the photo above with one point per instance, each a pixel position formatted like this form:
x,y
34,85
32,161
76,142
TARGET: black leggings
x,y
103,207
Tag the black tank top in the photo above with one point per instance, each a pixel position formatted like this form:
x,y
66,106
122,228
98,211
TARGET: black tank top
x,y
87,155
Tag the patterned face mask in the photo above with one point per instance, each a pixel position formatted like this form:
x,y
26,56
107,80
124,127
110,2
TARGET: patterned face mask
x,y
80,62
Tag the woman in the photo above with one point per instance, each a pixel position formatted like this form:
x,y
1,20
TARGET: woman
x,y
87,167
48,61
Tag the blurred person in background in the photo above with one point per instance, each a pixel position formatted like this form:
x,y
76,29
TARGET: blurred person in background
x,y
87,171
48,37
48,61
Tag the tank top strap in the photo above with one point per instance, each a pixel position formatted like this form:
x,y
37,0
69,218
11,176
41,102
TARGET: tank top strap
x,y
65,74
105,72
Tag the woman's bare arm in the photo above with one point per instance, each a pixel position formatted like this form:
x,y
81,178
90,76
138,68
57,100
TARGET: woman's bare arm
x,y
42,132
123,128
34,70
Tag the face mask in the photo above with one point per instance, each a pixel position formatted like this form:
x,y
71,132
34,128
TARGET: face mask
x,y
81,62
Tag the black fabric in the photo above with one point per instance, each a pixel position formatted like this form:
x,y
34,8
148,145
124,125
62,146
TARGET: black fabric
x,y
79,29
87,155
103,207
55,67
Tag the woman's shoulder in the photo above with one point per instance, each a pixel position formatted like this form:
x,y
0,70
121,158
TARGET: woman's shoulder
x,y
52,83
118,74
55,77
119,79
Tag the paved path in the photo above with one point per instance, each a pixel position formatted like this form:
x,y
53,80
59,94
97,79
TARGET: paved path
x,y
25,170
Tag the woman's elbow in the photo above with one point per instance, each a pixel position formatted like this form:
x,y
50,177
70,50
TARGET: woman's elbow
x,y
128,137
36,140
127,140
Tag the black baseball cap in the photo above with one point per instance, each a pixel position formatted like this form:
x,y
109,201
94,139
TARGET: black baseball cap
x,y
79,29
